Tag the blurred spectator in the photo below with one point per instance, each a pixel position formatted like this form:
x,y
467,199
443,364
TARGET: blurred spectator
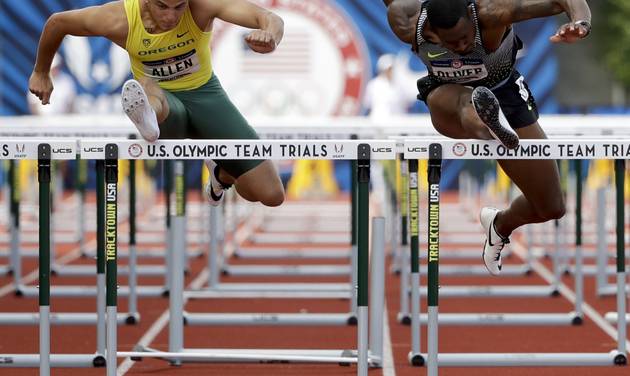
x,y
390,93
63,96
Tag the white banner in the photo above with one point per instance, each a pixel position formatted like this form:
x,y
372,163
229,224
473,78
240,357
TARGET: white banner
x,y
17,149
528,149
66,149
238,149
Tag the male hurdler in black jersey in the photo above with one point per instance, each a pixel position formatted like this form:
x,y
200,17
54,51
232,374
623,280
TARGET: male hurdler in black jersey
x,y
473,91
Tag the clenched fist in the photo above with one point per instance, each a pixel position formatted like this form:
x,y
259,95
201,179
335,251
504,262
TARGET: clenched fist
x,y
41,85
261,41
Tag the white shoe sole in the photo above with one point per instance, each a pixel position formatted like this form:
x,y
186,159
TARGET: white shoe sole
x,y
135,103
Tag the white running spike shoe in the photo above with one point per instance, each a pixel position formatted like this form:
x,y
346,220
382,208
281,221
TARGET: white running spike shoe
x,y
489,111
214,189
136,105
494,242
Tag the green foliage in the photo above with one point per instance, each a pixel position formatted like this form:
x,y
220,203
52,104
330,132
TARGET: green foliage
x,y
611,27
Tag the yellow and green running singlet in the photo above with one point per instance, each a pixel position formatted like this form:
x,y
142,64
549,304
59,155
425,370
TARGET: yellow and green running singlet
x,y
178,59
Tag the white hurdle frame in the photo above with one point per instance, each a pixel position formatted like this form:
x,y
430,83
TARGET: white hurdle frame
x,y
106,122
249,149
44,150
413,288
217,266
215,289
439,149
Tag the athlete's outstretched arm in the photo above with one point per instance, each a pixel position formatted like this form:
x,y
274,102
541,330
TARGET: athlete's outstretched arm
x,y
269,26
507,12
108,20
401,15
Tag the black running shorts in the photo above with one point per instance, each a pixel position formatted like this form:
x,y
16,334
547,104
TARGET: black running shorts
x,y
516,100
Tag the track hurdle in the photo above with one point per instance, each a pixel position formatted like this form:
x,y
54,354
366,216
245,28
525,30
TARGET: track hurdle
x,y
75,130
622,316
217,289
274,290
14,266
313,250
335,232
439,149
74,127
44,151
5,210
277,290
486,319
237,149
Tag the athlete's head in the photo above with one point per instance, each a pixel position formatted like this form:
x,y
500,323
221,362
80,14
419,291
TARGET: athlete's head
x,y
166,13
452,22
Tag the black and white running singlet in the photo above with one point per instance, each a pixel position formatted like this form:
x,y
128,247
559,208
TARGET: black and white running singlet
x,y
477,68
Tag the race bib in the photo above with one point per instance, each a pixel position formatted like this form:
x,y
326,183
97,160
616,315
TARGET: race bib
x,y
173,67
459,70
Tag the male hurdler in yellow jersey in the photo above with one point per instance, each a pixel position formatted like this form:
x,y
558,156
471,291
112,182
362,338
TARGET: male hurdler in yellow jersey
x,y
177,59
174,92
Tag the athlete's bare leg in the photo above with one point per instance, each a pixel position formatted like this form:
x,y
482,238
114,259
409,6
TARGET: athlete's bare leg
x,y
539,181
156,96
453,113
261,183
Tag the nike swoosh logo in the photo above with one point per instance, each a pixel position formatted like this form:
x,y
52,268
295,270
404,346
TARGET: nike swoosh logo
x,y
433,56
181,35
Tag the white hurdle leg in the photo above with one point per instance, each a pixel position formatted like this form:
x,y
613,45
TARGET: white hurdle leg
x,y
377,293
176,302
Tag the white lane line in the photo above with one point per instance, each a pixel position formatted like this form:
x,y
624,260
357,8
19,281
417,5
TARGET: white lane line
x,y
570,296
241,234
388,355
159,325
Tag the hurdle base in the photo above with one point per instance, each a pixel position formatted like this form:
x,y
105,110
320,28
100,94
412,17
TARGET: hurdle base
x,y
404,318
286,270
612,317
81,291
499,319
610,289
244,355
268,319
273,291
495,291
89,270
56,361
292,253
479,270
73,318
416,359
530,359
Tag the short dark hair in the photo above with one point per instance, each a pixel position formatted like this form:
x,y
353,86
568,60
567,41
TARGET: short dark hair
x,y
444,14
